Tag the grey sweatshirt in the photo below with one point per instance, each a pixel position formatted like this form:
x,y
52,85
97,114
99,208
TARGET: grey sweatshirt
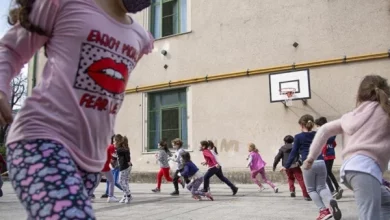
x,y
163,158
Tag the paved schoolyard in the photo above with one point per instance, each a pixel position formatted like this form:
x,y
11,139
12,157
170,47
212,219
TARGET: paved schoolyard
x,y
247,204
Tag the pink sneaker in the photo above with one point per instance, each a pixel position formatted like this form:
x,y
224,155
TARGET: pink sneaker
x,y
208,195
324,215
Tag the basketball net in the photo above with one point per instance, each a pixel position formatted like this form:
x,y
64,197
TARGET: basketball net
x,y
289,93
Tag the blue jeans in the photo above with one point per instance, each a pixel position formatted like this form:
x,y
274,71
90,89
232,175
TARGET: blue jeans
x,y
115,173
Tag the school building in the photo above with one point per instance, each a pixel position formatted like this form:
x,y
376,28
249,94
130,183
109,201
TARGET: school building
x,y
217,68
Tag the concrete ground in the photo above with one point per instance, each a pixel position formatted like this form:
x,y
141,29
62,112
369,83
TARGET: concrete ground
x,y
247,204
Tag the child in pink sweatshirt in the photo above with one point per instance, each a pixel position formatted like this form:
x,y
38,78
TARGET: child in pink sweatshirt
x,y
56,144
366,152
257,165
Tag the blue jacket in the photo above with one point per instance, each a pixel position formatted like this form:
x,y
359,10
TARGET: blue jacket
x,y
189,169
302,142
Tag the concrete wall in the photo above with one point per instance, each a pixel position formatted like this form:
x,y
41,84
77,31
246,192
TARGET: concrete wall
x,y
229,36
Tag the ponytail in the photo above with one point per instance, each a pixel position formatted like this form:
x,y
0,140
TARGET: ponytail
x,y
383,99
21,15
125,142
212,147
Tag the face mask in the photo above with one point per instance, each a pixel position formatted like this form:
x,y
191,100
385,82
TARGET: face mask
x,y
134,6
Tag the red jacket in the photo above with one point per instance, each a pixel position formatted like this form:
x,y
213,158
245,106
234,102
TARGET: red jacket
x,y
209,157
324,154
110,151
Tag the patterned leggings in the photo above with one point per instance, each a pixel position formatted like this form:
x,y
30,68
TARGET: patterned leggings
x,y
194,185
48,182
124,178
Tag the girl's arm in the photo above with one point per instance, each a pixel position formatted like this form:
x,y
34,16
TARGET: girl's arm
x,y
18,45
216,157
249,160
327,130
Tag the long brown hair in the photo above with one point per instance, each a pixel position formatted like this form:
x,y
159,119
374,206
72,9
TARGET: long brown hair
x,y
376,89
213,147
122,141
307,121
21,14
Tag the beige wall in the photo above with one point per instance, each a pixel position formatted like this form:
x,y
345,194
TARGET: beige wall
x,y
228,36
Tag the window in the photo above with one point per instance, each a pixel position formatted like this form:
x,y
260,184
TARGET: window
x,y
167,117
168,17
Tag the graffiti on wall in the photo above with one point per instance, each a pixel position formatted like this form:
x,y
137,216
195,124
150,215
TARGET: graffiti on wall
x,y
226,145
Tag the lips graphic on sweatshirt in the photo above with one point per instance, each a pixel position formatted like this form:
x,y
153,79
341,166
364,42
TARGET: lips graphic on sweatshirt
x,y
109,75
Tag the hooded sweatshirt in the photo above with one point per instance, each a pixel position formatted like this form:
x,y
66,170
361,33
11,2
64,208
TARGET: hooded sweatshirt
x,y
366,132
255,162
283,154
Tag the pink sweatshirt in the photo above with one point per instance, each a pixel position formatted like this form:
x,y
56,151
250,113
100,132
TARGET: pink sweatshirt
x,y
366,132
90,59
210,158
255,162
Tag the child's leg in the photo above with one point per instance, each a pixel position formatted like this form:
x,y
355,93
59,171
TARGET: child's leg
x,y
299,176
254,179
367,192
110,183
220,175
291,179
209,173
265,179
329,164
159,178
124,181
176,180
321,188
195,187
115,172
166,174
310,177
47,182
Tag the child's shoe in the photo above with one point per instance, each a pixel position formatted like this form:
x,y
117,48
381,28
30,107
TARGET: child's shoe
x,y
156,190
128,199
112,199
122,200
307,199
335,210
339,194
262,188
175,193
324,215
276,190
209,196
196,197
292,194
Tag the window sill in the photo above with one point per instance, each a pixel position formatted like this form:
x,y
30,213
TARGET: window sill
x,y
174,35
155,151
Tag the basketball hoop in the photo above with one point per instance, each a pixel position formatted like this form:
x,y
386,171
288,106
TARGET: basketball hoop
x,y
289,93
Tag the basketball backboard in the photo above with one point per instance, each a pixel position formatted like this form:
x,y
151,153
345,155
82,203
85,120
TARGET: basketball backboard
x,y
298,80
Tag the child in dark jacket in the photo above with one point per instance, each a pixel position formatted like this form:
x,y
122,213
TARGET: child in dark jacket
x,y
329,155
294,172
191,171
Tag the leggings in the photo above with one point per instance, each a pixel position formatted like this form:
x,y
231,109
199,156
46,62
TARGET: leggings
x,y
216,171
194,185
47,181
110,183
263,176
115,173
124,178
331,178
164,171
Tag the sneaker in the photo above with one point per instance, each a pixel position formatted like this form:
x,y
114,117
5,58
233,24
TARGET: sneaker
x,y
209,196
307,198
156,190
276,190
128,199
1,193
175,193
182,183
262,188
93,196
112,199
104,196
235,190
292,194
324,215
196,197
122,200
335,210
339,194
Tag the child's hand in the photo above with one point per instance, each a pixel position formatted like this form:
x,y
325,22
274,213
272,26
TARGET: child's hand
x,y
204,163
283,169
308,163
218,166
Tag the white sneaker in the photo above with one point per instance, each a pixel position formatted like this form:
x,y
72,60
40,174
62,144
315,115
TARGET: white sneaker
x,y
128,199
123,199
262,189
112,199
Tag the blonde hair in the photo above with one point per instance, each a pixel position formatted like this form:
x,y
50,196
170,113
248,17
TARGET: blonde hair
x,y
253,148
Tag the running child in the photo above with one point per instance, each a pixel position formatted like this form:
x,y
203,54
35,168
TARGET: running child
x,y
57,142
294,172
257,165
162,157
315,179
125,165
214,168
329,155
366,152
191,172
177,158
214,151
